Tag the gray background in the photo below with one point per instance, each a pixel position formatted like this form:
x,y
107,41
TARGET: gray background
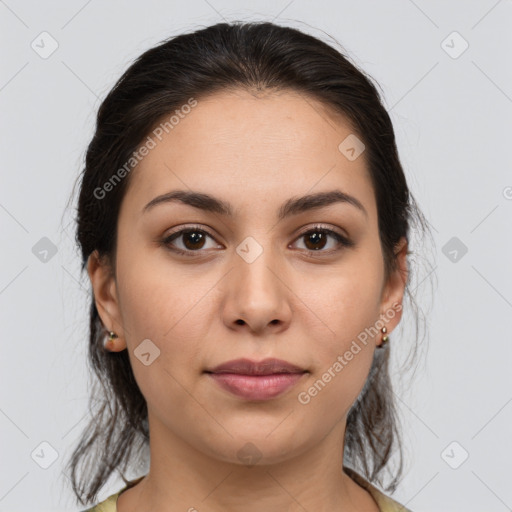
x,y
451,113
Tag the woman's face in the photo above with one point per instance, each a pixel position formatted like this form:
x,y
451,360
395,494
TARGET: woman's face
x,y
262,281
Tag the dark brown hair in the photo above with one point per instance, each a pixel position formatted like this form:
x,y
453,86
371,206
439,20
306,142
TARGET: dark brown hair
x,y
258,56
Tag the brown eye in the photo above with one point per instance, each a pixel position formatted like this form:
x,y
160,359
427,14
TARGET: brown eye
x,y
317,239
193,239
188,241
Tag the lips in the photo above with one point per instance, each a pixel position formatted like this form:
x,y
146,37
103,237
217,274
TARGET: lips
x,y
248,367
252,380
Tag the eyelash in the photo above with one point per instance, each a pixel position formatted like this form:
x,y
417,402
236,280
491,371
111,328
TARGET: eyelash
x,y
343,241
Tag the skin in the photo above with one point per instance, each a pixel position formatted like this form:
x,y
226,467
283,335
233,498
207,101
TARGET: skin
x,y
255,151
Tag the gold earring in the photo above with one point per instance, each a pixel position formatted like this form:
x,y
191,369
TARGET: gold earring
x,y
111,337
385,338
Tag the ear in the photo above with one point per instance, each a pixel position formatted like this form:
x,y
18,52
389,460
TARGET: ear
x,y
394,288
105,297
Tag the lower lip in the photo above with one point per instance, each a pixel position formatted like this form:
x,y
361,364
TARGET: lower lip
x,y
256,387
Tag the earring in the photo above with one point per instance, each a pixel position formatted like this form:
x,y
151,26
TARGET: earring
x,y
385,338
111,337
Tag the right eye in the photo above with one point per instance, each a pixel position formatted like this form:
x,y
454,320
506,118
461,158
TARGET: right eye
x,y
193,240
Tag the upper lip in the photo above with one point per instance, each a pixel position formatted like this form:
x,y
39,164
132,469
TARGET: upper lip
x,y
265,367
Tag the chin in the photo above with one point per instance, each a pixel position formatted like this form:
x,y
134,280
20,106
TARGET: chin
x,y
263,448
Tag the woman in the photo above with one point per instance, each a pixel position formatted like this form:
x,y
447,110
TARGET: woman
x,y
244,221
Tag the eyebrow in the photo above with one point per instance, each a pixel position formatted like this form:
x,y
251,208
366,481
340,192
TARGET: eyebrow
x,y
292,206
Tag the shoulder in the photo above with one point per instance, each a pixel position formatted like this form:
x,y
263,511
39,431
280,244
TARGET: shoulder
x,y
110,504
385,503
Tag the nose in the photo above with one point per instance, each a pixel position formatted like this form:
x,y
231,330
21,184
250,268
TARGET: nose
x,y
257,296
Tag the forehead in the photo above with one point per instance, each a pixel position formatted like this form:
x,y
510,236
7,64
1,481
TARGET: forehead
x,y
253,147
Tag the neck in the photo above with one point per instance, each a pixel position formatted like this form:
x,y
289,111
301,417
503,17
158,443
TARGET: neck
x,y
196,481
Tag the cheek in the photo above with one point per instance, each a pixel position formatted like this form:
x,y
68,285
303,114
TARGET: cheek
x,y
154,294
342,359
349,302
349,308
163,310
168,305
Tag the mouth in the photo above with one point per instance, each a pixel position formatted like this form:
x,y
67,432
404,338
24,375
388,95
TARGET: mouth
x,y
248,367
252,380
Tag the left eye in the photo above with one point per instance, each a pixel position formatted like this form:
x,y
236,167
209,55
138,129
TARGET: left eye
x,y
194,239
316,239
